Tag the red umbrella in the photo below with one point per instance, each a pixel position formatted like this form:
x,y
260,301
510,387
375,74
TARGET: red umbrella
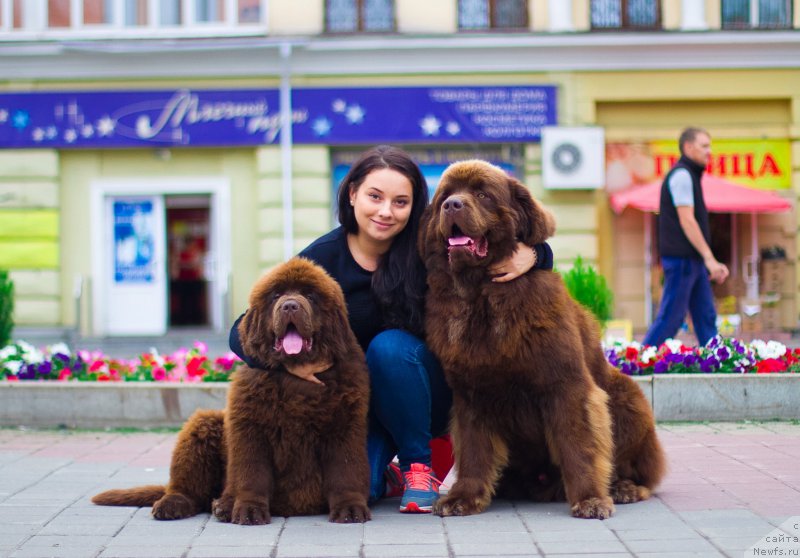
x,y
720,196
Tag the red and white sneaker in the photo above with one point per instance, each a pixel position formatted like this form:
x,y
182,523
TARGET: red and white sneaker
x,y
422,489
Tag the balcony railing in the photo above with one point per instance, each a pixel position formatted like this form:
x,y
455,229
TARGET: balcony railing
x,y
101,19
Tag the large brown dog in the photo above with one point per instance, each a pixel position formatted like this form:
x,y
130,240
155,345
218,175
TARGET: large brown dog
x,y
284,445
537,410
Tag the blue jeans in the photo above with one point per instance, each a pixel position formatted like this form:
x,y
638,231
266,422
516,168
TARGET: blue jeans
x,y
686,287
409,404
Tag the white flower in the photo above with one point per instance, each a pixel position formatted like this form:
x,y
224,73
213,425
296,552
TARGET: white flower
x,y
59,348
13,366
673,345
648,354
770,349
8,351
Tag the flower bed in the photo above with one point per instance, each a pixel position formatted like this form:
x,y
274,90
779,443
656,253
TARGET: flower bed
x,y
22,361
720,356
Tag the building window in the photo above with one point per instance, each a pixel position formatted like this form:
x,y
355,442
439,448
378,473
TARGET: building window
x,y
626,14
93,16
756,14
492,14
350,16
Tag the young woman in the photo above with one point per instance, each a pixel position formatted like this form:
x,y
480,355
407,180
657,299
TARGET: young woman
x,y
373,255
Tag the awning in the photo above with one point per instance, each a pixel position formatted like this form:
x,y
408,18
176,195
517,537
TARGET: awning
x,y
720,195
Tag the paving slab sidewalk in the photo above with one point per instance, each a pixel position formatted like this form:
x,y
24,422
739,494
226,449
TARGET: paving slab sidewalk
x,y
732,490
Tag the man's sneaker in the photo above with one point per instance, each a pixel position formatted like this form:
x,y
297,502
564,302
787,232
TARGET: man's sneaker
x,y
422,489
395,484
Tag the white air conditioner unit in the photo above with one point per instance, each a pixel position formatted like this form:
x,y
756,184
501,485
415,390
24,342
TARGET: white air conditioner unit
x,y
573,157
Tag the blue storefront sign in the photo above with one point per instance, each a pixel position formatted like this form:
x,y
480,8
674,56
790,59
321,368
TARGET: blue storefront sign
x,y
337,116
134,241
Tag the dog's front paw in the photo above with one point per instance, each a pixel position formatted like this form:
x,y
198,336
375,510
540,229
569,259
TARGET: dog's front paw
x,y
222,508
250,513
174,506
350,513
458,505
594,508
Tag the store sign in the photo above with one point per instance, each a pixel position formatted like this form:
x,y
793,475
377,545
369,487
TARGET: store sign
x,y
756,163
252,117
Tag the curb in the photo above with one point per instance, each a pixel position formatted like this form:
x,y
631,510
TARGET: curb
x,y
674,397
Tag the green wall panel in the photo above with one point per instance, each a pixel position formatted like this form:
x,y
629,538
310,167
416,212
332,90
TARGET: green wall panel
x,y
28,224
28,254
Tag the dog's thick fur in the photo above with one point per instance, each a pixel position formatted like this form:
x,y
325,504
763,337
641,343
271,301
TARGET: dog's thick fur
x,y
283,445
537,410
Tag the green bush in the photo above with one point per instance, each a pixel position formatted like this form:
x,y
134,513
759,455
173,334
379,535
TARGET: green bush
x,y
6,308
589,288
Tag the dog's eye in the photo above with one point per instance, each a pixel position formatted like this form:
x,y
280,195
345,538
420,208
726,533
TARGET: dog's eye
x,y
482,195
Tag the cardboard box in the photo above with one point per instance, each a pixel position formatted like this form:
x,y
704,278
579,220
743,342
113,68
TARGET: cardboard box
x,y
772,276
751,324
771,318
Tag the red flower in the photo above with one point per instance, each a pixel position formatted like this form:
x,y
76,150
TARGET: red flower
x,y
770,365
159,374
96,365
103,378
631,353
12,378
65,374
194,367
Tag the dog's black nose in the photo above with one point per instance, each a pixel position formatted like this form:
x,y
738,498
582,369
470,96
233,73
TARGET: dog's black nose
x,y
290,306
453,204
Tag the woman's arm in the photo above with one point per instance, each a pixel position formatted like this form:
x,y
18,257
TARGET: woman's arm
x,y
524,258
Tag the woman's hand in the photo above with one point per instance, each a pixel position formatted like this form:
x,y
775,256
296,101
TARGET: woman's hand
x,y
519,263
309,371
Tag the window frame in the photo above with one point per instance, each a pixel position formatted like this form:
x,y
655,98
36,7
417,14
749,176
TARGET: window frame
x,y
626,25
360,20
491,27
753,21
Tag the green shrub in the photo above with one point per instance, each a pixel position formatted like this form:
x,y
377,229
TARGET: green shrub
x,y
589,288
6,308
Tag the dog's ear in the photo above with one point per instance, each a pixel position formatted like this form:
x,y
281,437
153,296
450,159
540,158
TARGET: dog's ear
x,y
535,224
255,334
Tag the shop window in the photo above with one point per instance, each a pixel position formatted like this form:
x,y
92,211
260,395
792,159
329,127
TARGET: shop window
x,y
350,16
756,14
492,14
626,14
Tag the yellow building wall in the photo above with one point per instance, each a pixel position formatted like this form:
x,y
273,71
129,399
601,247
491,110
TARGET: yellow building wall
x,y
296,17
439,17
30,214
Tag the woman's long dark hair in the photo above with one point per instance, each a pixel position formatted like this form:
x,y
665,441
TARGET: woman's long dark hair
x,y
399,281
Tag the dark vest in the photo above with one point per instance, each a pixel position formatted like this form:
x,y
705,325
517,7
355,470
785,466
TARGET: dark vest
x,y
671,239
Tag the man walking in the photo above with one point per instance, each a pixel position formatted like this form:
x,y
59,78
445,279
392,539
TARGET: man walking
x,y
684,243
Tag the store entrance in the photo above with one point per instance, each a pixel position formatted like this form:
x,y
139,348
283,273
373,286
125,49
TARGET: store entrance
x,y
188,230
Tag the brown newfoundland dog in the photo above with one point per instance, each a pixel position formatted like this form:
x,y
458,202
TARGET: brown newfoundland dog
x,y
537,411
284,445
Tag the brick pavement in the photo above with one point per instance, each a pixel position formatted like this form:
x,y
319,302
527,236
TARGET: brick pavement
x,y
729,488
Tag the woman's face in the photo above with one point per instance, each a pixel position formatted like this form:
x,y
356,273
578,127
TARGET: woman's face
x,y
382,204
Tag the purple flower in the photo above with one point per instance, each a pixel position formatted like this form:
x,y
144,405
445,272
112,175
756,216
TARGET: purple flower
x,y
690,360
27,372
723,353
661,367
709,364
45,368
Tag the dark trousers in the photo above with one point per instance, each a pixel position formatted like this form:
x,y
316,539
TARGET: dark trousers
x,y
686,288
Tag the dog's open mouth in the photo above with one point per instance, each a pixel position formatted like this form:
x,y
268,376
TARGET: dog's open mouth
x,y
478,246
292,343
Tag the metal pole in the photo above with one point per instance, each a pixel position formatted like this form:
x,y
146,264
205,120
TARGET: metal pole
x,y
286,151
648,264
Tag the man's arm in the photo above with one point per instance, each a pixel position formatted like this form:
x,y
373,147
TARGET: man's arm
x,y
718,271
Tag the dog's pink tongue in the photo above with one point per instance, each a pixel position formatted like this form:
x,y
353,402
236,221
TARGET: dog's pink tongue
x,y
459,240
292,343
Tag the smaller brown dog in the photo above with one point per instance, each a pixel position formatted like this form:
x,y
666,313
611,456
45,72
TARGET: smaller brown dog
x,y
283,445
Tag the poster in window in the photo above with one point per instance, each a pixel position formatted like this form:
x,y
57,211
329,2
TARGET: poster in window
x,y
133,241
